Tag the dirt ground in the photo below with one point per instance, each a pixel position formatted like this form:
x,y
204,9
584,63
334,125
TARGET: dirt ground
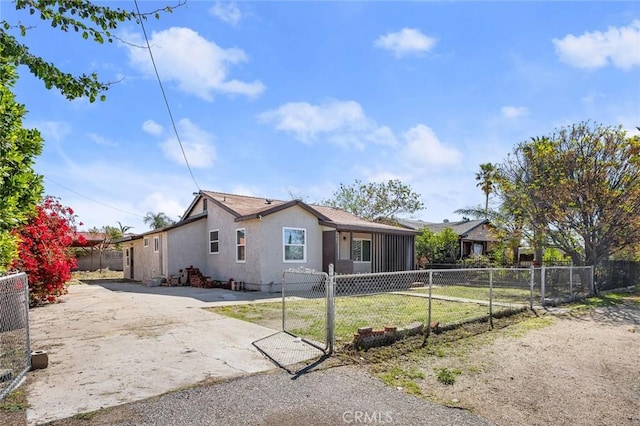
x,y
578,367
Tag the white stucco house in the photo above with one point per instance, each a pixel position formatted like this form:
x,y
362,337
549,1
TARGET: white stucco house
x,y
253,240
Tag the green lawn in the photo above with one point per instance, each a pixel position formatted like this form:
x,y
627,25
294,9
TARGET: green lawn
x,y
500,294
307,318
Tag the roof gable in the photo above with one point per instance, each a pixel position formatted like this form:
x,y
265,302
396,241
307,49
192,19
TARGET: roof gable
x,y
244,207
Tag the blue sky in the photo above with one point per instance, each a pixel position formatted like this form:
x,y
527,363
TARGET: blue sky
x,y
282,99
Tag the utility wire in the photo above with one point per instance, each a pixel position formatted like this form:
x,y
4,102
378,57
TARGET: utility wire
x,y
91,199
164,95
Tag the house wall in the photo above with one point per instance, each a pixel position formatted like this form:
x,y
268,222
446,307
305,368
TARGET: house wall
x,y
187,246
138,260
222,265
147,262
264,263
269,244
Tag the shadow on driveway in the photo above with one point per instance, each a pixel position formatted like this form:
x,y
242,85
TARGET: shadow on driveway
x,y
201,294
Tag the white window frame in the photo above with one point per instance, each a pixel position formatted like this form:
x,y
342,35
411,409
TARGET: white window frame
x,y
217,241
204,205
156,244
238,245
361,241
146,242
303,245
127,257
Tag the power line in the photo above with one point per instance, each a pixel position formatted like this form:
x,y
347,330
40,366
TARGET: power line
x,y
164,95
92,199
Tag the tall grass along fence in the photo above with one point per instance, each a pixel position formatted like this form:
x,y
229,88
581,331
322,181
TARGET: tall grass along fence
x,y
15,353
365,310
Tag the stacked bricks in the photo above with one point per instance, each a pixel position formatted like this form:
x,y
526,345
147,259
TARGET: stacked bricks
x,y
366,337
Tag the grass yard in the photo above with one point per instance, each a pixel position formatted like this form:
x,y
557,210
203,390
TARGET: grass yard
x,y
307,318
500,294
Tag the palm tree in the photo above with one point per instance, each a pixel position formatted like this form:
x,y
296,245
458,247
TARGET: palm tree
x,y
123,228
486,178
157,220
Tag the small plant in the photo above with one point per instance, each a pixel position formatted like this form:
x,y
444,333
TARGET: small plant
x,y
15,401
446,376
85,416
403,378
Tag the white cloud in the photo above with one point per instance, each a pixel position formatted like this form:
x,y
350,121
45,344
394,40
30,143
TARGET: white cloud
x,y
341,122
618,46
197,144
152,128
424,148
101,140
228,12
52,130
198,66
405,42
160,202
513,111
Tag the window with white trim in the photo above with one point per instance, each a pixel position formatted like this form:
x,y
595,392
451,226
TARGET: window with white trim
x,y
204,204
214,241
294,244
156,244
361,250
146,242
241,245
126,253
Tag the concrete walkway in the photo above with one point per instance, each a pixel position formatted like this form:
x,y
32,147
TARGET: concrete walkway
x,y
111,343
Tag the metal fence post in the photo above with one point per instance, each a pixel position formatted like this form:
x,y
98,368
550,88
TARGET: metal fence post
x,y
429,313
284,312
533,283
543,274
330,309
491,298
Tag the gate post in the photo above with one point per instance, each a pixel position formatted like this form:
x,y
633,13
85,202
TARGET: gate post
x,y
543,276
330,309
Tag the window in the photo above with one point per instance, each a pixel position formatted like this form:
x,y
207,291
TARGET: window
x,y
126,254
204,204
241,255
295,244
146,242
156,244
213,241
361,250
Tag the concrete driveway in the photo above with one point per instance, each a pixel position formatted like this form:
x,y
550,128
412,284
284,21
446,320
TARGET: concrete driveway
x,y
112,342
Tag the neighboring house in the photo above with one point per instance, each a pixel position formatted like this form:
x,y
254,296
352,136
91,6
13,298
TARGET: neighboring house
x,y
475,236
253,240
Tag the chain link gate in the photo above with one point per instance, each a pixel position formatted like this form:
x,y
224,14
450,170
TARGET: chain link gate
x,y
15,353
307,327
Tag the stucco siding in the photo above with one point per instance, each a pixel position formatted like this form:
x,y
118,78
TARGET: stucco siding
x,y
187,246
270,244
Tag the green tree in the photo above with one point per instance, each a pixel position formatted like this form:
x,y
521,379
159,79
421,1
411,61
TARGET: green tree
x,y
579,188
88,19
486,178
438,247
20,187
375,201
157,220
108,234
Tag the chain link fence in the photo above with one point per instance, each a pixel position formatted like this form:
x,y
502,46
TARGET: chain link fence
x,y
321,311
15,353
306,328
